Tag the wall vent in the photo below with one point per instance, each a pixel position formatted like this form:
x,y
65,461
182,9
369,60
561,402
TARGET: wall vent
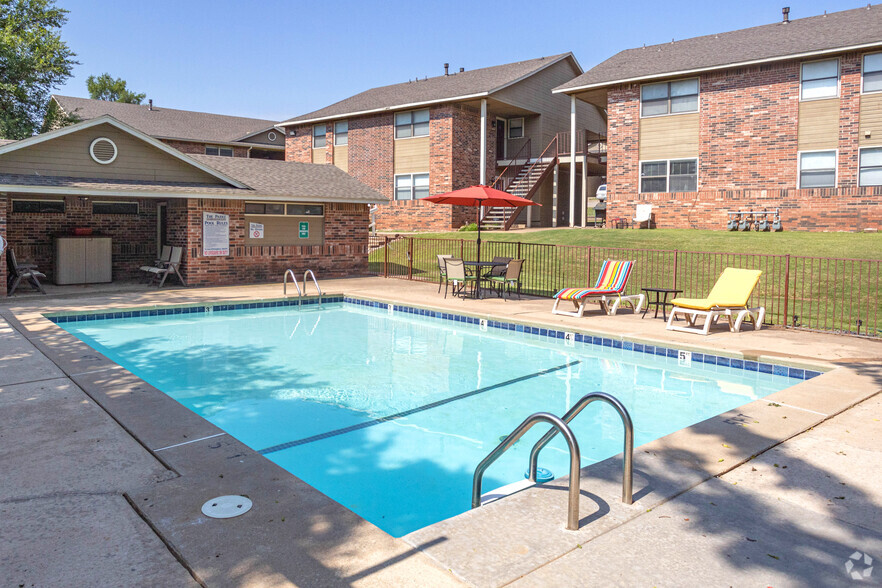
x,y
103,150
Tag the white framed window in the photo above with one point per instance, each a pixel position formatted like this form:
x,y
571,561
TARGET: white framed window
x,y
411,186
819,79
341,132
669,97
669,175
516,128
870,167
817,169
414,123
319,139
872,73
218,150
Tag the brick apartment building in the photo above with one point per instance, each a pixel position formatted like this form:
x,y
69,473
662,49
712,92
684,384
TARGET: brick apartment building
x,y
430,136
783,116
186,130
141,193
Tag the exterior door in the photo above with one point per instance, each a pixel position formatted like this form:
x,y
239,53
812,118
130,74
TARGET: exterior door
x,y
500,139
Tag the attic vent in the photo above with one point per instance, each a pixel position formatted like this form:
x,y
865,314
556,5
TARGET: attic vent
x,y
271,136
103,150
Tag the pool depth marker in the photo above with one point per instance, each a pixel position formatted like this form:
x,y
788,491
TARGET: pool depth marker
x,y
411,411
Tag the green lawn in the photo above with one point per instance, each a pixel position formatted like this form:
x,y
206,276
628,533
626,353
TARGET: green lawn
x,y
824,293
840,245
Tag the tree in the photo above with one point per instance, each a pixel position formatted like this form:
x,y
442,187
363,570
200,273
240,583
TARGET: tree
x,y
33,61
105,87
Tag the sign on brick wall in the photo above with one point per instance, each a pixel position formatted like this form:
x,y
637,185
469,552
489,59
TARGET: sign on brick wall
x,y
215,234
255,230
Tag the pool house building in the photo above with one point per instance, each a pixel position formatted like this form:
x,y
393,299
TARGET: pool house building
x,y
126,194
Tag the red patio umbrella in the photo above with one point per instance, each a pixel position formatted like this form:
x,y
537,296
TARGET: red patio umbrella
x,y
480,196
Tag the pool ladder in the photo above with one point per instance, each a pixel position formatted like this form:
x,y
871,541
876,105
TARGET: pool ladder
x,y
301,293
561,425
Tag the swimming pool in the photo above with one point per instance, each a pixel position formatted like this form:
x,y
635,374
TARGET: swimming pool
x,y
389,412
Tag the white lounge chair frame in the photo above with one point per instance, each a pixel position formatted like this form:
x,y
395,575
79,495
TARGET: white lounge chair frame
x,y
735,315
609,304
643,215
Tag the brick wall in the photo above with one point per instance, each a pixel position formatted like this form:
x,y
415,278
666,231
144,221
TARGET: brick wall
x,y
748,153
344,252
192,147
843,209
134,236
454,146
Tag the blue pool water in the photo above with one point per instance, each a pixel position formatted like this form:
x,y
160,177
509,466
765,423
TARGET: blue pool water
x,y
390,414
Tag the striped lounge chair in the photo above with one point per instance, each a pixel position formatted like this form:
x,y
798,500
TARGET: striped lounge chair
x,y
609,291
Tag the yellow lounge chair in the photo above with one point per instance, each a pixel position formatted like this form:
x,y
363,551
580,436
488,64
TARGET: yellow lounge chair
x,y
727,298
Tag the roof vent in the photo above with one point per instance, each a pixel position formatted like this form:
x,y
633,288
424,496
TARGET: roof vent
x,y
462,69
786,12
103,150
150,104
446,67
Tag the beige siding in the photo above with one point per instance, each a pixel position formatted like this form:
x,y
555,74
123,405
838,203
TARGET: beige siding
x,y
534,94
411,155
319,155
818,124
69,156
341,157
285,230
871,119
667,137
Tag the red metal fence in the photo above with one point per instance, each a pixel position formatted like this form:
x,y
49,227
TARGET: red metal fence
x,y
825,294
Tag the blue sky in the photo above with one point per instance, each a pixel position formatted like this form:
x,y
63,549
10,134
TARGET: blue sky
x,y
275,59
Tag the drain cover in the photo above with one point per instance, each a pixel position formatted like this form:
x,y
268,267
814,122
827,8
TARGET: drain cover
x,y
542,475
226,507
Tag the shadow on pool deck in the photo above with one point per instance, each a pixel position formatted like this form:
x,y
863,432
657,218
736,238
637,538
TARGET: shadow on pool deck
x,y
766,525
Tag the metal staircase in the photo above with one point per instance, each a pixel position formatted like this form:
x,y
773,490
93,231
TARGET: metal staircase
x,y
527,177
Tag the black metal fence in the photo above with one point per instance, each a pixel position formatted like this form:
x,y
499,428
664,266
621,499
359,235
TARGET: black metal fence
x,y
824,294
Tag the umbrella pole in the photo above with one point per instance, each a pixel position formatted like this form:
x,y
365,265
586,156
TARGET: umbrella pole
x,y
479,237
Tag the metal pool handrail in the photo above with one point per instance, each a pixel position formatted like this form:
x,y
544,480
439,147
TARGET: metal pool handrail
x,y
575,462
628,465
309,272
285,283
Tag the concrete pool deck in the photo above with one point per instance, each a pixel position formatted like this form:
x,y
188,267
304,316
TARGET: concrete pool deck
x,y
81,435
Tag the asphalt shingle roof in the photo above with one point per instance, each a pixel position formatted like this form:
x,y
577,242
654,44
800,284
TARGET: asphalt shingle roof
x,y
467,83
298,181
167,122
289,178
849,28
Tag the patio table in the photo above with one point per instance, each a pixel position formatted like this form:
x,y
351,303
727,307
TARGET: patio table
x,y
479,265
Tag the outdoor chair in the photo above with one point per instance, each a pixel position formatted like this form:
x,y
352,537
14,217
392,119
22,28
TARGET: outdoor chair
x,y
457,275
164,258
609,291
727,298
512,277
644,216
169,267
21,271
498,270
442,269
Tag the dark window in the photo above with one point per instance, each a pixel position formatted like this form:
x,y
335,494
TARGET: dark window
x,y
306,209
684,176
255,208
341,133
653,176
114,208
676,175
222,151
516,128
38,206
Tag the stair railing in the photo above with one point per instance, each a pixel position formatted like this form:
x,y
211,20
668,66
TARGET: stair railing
x,y
515,165
551,153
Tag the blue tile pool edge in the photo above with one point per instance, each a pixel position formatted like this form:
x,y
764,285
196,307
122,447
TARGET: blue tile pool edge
x,y
799,373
